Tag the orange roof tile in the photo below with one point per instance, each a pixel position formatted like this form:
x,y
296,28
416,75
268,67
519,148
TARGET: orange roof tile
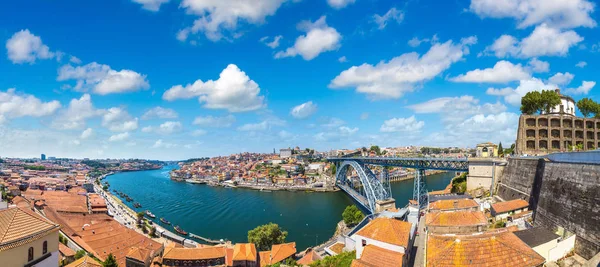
x,y
387,230
194,253
507,206
453,204
309,258
277,253
65,251
376,256
85,261
19,227
265,258
455,218
244,252
492,250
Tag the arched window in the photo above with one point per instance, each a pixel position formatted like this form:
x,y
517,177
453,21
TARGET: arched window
x,y
30,254
45,247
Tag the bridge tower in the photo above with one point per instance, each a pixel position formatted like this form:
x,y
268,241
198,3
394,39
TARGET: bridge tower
x,y
420,191
384,177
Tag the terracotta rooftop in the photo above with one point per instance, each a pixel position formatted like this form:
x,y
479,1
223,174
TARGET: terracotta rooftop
x,y
455,218
376,256
18,227
277,253
194,253
387,230
140,254
244,252
507,206
85,261
309,258
65,251
453,204
491,250
61,201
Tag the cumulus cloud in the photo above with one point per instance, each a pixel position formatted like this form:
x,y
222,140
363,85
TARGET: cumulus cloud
x,y
273,44
333,123
339,4
404,73
454,109
76,114
391,15
161,113
543,41
217,122
103,80
87,133
118,137
319,38
17,105
160,144
555,13
583,89
304,110
537,65
415,41
561,78
342,59
217,18
513,95
336,134
581,64
25,47
234,91
118,120
168,127
198,132
410,124
151,5
252,127
502,72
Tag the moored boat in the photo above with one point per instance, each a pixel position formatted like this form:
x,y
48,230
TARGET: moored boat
x,y
180,231
162,220
150,214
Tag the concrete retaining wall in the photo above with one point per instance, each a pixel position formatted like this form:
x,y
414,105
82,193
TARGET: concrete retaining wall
x,y
516,182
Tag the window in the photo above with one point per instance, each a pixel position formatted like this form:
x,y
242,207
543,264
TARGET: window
x,y
364,242
30,254
45,247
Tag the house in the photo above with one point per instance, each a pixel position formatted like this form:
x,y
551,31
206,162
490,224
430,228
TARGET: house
x,y
310,257
502,210
138,257
14,191
390,234
278,253
27,239
285,153
244,255
85,261
453,205
547,243
455,222
487,150
67,255
206,256
375,256
498,249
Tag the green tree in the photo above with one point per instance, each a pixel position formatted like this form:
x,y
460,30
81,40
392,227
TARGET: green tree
x,y
531,103
376,149
140,216
588,107
110,261
352,215
79,254
500,150
343,259
333,169
265,236
550,99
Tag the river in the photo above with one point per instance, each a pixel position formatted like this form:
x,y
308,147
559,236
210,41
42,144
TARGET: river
x,y
228,213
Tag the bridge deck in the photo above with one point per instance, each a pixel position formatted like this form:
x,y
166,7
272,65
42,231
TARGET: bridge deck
x,y
447,164
356,196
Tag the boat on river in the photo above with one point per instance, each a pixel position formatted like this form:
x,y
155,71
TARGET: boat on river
x,y
180,231
150,214
162,220
137,205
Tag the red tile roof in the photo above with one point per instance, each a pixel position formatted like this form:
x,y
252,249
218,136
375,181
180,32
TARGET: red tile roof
x,y
376,256
455,218
387,230
508,206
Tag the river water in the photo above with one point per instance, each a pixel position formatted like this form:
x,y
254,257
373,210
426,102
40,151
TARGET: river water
x,y
228,213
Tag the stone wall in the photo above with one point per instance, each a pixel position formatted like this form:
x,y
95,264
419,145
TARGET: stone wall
x,y
517,179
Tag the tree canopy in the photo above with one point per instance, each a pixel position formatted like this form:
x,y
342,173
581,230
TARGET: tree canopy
x,y
376,149
500,150
265,236
110,261
588,107
352,215
538,102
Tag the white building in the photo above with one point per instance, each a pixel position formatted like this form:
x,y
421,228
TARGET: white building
x,y
566,107
386,233
285,153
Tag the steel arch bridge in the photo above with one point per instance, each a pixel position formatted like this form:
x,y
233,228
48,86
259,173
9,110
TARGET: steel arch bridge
x,y
373,189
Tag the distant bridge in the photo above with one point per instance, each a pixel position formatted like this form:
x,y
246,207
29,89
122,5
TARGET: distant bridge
x,y
372,189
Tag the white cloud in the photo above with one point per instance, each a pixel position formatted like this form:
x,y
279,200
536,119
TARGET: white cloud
x,y
333,123
75,116
538,65
319,38
160,144
118,137
584,88
364,116
561,78
16,105
25,47
151,5
556,13
304,110
502,72
102,79
160,112
273,44
253,127
75,60
581,64
233,91
168,127
410,124
513,96
342,59
454,109
218,122
336,134
198,132
543,41
118,120
402,74
217,17
415,41
339,4
392,14
87,133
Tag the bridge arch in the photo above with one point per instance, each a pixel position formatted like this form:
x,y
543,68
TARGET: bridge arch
x,y
373,188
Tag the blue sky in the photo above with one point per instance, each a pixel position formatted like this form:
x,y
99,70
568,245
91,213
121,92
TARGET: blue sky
x,y
170,79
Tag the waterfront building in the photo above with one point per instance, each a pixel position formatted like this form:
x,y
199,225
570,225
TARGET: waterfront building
x,y
453,205
245,255
486,150
502,249
197,257
503,210
139,257
391,235
27,239
278,253
455,222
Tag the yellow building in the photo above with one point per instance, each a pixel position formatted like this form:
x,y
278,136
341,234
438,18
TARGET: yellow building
x,y
487,150
27,239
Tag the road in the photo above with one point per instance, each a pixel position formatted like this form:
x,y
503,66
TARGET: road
x,y
418,252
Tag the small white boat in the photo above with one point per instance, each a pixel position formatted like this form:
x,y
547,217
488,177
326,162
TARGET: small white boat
x,y
150,214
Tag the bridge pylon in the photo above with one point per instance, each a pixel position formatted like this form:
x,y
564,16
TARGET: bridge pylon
x,y
420,190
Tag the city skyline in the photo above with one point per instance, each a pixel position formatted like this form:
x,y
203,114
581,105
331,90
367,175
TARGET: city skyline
x,y
171,80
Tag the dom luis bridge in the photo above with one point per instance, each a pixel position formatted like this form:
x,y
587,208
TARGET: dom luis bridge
x,y
373,192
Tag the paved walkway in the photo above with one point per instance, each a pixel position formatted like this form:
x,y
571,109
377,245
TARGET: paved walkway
x,y
418,252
